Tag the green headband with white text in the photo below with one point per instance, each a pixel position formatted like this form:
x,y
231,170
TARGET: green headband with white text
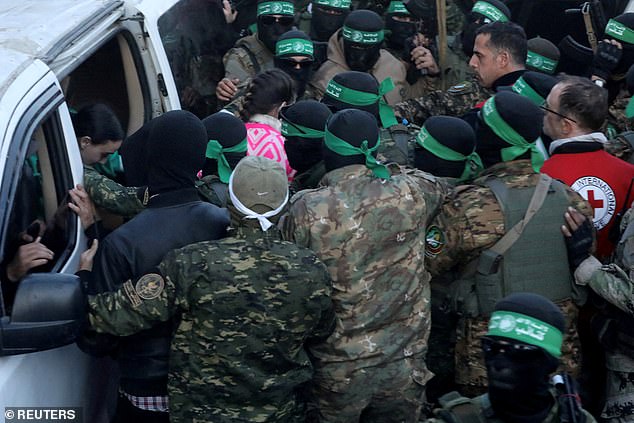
x,y
619,31
517,326
337,4
537,61
294,46
276,8
362,37
487,9
522,88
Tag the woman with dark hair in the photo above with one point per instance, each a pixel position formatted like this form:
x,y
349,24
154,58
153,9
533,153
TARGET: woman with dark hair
x,y
267,93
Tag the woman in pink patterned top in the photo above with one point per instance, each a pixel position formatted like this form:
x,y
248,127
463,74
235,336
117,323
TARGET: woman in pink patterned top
x,y
266,94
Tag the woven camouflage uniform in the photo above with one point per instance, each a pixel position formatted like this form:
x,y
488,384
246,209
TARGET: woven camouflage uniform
x,y
212,190
370,234
470,222
456,101
403,153
617,121
111,196
249,303
620,147
238,62
308,179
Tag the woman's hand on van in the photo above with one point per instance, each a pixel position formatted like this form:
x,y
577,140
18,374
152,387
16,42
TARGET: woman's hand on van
x,y
87,258
82,205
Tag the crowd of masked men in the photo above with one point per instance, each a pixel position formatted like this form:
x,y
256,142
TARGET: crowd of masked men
x,y
395,213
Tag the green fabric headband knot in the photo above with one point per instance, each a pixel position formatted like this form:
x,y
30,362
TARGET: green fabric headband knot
x,y
503,130
537,61
487,9
290,129
294,46
337,4
342,148
276,8
473,163
216,152
520,327
619,31
362,98
362,37
525,90
398,7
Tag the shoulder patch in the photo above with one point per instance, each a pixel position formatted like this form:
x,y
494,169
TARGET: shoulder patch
x,y
149,286
434,241
460,88
128,290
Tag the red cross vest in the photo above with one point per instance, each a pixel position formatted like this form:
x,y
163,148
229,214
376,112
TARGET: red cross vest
x,y
603,180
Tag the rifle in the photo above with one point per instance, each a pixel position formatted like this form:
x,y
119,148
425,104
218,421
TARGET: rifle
x,y
593,19
569,400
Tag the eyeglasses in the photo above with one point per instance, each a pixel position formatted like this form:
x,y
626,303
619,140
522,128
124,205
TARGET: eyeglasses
x,y
492,347
543,107
271,19
294,63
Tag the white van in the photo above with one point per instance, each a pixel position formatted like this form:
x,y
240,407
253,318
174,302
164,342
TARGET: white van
x,y
56,56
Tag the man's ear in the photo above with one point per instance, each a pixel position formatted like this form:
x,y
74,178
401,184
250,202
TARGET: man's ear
x,y
503,59
567,126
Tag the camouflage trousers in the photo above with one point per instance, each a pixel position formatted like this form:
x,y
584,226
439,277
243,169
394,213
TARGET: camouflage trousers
x,y
471,372
392,392
619,390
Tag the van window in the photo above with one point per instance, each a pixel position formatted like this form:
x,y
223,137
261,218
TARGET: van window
x,y
196,37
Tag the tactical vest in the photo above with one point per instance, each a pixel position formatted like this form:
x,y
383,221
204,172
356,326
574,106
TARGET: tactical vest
x,y
536,261
459,409
397,144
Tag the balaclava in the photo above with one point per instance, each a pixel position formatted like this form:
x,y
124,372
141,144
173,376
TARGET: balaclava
x,y
446,147
621,28
362,37
542,55
303,126
176,151
521,349
483,12
398,32
327,17
269,32
295,43
226,144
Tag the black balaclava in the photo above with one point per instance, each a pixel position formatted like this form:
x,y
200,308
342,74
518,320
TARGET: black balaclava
x,y
451,132
229,131
360,53
629,80
627,58
358,81
575,58
302,75
268,34
519,113
134,154
354,127
176,151
519,388
322,23
304,152
398,32
475,20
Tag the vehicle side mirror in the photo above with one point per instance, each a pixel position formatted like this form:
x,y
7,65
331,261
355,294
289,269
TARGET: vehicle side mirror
x,y
48,312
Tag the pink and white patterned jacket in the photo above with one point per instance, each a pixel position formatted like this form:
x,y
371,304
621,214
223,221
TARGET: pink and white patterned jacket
x,y
264,139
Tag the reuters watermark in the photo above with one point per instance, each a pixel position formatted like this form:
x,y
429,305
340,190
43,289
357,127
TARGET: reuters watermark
x,y
43,414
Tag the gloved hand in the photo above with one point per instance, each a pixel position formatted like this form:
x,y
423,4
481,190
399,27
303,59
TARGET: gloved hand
x,y
605,60
579,236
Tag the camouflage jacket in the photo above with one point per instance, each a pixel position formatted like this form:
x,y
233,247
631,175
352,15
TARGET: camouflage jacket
x,y
308,179
248,57
111,196
369,233
397,144
213,190
456,101
248,305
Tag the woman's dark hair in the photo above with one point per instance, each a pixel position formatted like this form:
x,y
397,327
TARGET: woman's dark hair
x,y
98,122
266,91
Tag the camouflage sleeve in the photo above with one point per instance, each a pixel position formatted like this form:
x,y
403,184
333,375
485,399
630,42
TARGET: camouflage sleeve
x,y
614,285
296,225
109,195
134,306
323,300
435,190
237,64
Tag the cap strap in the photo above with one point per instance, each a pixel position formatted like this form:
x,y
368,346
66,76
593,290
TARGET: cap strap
x,y
519,145
473,163
525,90
619,31
343,148
217,152
520,327
293,46
540,62
362,98
487,9
362,37
276,8
398,7
290,129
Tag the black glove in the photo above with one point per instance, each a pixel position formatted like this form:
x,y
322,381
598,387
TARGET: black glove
x,y
605,60
579,244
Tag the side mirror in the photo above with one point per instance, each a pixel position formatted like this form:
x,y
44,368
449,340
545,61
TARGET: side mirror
x,y
48,312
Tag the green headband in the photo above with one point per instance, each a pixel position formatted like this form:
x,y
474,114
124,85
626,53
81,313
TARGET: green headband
x,y
215,151
520,327
503,130
619,31
294,46
362,98
398,7
337,4
362,37
525,90
276,8
290,129
537,61
473,163
490,11
342,148
629,109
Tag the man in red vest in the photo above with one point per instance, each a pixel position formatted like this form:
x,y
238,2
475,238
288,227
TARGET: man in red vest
x,y
575,111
